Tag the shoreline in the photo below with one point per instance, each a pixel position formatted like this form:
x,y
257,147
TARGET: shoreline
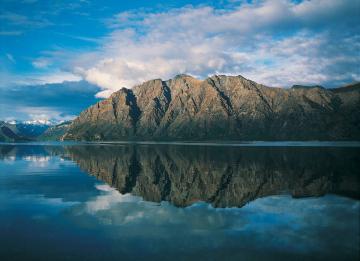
x,y
353,144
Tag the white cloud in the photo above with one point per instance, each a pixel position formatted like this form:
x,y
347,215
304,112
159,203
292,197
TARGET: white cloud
x,y
57,77
272,42
41,63
43,113
107,200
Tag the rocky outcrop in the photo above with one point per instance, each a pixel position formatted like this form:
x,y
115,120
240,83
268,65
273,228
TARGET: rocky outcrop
x,y
221,176
221,108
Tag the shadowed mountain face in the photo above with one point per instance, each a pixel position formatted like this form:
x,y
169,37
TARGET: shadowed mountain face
x,y
221,176
221,108
12,132
23,131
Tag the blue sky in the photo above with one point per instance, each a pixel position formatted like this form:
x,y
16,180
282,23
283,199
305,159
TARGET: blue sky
x,y
111,44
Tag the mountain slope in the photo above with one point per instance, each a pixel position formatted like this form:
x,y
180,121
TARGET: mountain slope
x,y
10,133
55,132
221,107
31,130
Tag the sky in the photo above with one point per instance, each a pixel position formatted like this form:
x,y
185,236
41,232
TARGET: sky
x,y
58,57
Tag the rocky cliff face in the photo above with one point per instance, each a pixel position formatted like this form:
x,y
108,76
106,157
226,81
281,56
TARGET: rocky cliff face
x,y
221,107
222,176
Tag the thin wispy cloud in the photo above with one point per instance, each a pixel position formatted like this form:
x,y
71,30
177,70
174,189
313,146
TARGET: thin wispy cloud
x,y
15,19
82,38
57,76
10,33
10,58
41,63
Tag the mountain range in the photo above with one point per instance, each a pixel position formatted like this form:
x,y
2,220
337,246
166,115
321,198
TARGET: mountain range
x,y
217,108
30,130
9,133
221,108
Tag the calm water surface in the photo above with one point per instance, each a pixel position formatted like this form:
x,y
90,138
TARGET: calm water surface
x,y
179,202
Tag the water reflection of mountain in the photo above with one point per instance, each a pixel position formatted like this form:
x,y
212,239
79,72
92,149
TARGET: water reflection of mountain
x,y
222,176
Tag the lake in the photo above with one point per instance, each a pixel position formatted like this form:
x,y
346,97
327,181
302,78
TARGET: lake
x,y
151,201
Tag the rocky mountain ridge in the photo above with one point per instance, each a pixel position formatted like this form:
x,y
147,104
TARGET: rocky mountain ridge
x,y
221,108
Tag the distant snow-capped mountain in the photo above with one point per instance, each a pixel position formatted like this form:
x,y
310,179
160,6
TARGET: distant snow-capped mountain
x,y
15,130
36,122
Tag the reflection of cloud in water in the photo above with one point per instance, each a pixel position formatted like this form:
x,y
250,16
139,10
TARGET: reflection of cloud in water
x,y
10,160
303,223
36,205
275,222
108,199
36,158
67,204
